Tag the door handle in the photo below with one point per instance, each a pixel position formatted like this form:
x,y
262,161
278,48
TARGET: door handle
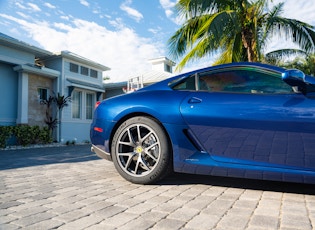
x,y
194,100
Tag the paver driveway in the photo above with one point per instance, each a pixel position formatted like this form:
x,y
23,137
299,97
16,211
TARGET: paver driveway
x,y
70,188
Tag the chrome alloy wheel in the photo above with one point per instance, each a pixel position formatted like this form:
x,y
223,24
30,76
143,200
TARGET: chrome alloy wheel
x,y
138,149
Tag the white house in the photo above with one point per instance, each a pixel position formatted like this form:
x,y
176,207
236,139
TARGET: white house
x,y
162,68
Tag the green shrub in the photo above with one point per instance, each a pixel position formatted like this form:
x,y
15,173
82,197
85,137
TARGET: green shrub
x,y
25,135
5,134
45,136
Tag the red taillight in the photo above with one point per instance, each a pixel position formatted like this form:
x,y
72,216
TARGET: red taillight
x,y
98,129
97,104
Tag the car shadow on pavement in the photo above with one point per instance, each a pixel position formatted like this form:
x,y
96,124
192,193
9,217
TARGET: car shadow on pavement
x,y
11,159
264,185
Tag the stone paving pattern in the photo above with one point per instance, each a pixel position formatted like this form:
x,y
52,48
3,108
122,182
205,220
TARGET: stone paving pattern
x,y
70,188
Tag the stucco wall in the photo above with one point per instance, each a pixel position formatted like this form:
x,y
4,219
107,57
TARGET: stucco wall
x,y
8,94
36,110
75,131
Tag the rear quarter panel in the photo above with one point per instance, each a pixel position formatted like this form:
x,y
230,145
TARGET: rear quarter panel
x,y
162,105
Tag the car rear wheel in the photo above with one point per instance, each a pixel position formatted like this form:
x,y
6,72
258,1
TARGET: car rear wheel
x,y
141,151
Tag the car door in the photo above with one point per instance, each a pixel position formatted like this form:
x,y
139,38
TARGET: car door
x,y
252,117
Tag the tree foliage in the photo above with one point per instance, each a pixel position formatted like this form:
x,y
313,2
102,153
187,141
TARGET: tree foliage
x,y
306,64
239,30
59,102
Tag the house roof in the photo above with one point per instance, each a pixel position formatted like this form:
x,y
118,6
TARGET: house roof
x,y
85,85
153,76
14,43
162,60
115,85
80,59
37,70
148,78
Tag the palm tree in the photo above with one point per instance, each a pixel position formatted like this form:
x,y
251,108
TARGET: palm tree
x,y
60,101
238,29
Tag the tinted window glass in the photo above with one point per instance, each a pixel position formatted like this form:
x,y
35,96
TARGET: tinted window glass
x,y
186,84
243,81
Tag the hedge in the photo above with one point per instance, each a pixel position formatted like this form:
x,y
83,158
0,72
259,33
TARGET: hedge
x,y
24,135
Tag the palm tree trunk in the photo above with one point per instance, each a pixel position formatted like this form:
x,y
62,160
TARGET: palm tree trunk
x,y
249,44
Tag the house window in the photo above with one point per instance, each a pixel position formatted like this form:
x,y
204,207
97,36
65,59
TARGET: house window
x,y
93,73
76,104
89,105
74,68
84,71
42,94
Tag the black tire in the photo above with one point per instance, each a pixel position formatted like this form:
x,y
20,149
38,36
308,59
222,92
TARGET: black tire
x,y
141,151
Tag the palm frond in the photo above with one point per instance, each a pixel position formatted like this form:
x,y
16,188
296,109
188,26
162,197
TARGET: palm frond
x,y
282,53
217,25
194,8
183,38
204,47
299,32
239,29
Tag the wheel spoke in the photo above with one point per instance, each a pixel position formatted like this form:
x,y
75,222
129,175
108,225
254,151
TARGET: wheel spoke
x,y
131,139
128,163
139,133
129,154
152,146
147,151
145,137
126,143
144,165
151,156
136,167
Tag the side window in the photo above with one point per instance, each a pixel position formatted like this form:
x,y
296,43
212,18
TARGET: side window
x,y
186,84
243,81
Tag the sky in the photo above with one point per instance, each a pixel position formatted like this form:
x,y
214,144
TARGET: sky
x,y
120,34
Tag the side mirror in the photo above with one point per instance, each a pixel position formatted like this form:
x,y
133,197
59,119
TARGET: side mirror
x,y
310,80
294,77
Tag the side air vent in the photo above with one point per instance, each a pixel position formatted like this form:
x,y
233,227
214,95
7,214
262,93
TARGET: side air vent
x,y
191,137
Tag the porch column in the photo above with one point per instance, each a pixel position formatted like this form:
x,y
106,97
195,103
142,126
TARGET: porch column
x,y
22,106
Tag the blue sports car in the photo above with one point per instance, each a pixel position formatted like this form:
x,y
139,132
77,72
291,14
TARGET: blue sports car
x,y
246,120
